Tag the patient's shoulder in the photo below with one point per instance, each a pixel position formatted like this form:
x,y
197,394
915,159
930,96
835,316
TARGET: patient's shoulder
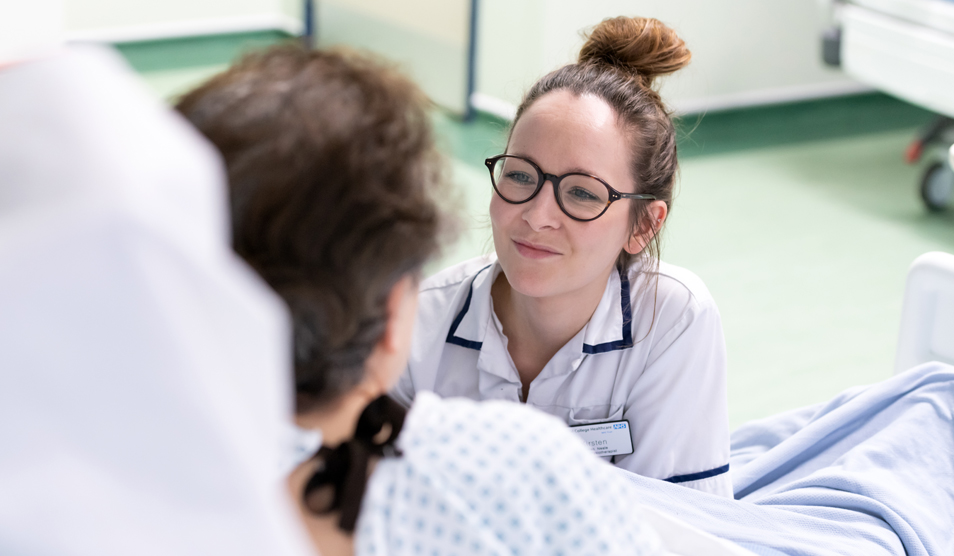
x,y
515,474
498,446
447,425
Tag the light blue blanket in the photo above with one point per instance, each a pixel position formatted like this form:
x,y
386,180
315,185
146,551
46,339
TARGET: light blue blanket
x,y
870,473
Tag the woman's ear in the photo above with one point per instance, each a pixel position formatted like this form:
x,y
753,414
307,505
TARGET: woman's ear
x,y
644,231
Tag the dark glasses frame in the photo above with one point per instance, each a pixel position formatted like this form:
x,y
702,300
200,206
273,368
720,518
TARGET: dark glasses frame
x,y
543,177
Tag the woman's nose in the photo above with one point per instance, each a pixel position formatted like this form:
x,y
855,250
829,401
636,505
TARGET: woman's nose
x,y
543,211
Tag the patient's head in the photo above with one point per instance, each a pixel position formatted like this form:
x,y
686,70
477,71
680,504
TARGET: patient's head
x,y
331,165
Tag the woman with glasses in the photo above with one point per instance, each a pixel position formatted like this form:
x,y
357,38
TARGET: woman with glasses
x,y
575,314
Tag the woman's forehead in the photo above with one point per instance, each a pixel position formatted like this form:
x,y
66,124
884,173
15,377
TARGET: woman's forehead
x,y
563,132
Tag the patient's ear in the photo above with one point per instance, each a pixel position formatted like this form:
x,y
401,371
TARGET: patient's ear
x,y
389,357
643,232
382,368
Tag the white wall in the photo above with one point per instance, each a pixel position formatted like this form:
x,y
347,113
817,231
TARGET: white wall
x,y
744,51
429,38
129,20
29,28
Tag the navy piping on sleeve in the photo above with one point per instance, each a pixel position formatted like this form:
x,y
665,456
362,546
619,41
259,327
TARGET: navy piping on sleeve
x,y
452,337
699,476
627,307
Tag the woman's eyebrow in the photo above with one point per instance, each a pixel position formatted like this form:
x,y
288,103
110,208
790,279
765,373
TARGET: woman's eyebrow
x,y
578,170
573,170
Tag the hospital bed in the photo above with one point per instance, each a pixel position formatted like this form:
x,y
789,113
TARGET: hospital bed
x,y
869,472
904,48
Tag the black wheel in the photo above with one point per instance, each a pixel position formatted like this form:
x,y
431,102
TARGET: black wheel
x,y
937,187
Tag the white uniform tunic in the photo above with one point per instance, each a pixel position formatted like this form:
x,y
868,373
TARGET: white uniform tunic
x,y
662,368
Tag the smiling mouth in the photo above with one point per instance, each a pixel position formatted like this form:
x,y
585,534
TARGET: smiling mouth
x,y
532,251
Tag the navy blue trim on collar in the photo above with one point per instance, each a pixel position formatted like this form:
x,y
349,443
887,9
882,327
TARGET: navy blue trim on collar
x,y
627,307
452,338
699,476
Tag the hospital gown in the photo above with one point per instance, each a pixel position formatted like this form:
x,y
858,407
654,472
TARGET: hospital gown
x,y
496,478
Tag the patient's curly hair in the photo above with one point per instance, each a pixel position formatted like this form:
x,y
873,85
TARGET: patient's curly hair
x,y
331,166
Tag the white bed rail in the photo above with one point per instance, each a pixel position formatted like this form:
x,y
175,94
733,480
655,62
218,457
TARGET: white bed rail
x,y
927,316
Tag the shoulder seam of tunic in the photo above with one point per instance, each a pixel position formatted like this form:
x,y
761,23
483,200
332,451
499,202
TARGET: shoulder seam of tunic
x,y
692,291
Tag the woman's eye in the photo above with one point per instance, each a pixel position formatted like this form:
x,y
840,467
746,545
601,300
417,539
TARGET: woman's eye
x,y
580,194
521,178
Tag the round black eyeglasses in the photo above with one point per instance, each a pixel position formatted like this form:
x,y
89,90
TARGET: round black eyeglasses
x,y
580,196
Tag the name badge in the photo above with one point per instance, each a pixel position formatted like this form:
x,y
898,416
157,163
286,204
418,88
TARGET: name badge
x,y
612,438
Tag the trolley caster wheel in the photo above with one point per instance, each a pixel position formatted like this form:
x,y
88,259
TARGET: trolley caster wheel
x,y
937,187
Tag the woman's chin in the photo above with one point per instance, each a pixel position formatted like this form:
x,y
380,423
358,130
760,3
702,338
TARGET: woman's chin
x,y
533,284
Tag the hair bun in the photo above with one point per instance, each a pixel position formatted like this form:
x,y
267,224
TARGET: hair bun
x,y
640,45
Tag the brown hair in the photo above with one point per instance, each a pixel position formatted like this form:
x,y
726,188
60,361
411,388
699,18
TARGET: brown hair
x,y
619,63
331,167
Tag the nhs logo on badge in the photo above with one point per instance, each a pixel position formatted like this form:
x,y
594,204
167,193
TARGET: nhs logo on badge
x,y
611,438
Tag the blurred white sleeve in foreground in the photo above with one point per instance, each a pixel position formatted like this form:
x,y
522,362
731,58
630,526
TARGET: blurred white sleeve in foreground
x,y
144,372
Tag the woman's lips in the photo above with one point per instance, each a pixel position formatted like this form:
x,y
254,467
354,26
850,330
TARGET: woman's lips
x,y
532,251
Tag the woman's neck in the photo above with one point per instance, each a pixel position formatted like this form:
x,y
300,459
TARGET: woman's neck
x,y
537,327
323,529
338,420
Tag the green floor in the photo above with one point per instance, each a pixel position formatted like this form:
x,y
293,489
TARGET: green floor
x,y
802,220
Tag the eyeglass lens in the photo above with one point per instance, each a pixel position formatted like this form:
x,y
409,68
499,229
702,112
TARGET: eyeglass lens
x,y
580,196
